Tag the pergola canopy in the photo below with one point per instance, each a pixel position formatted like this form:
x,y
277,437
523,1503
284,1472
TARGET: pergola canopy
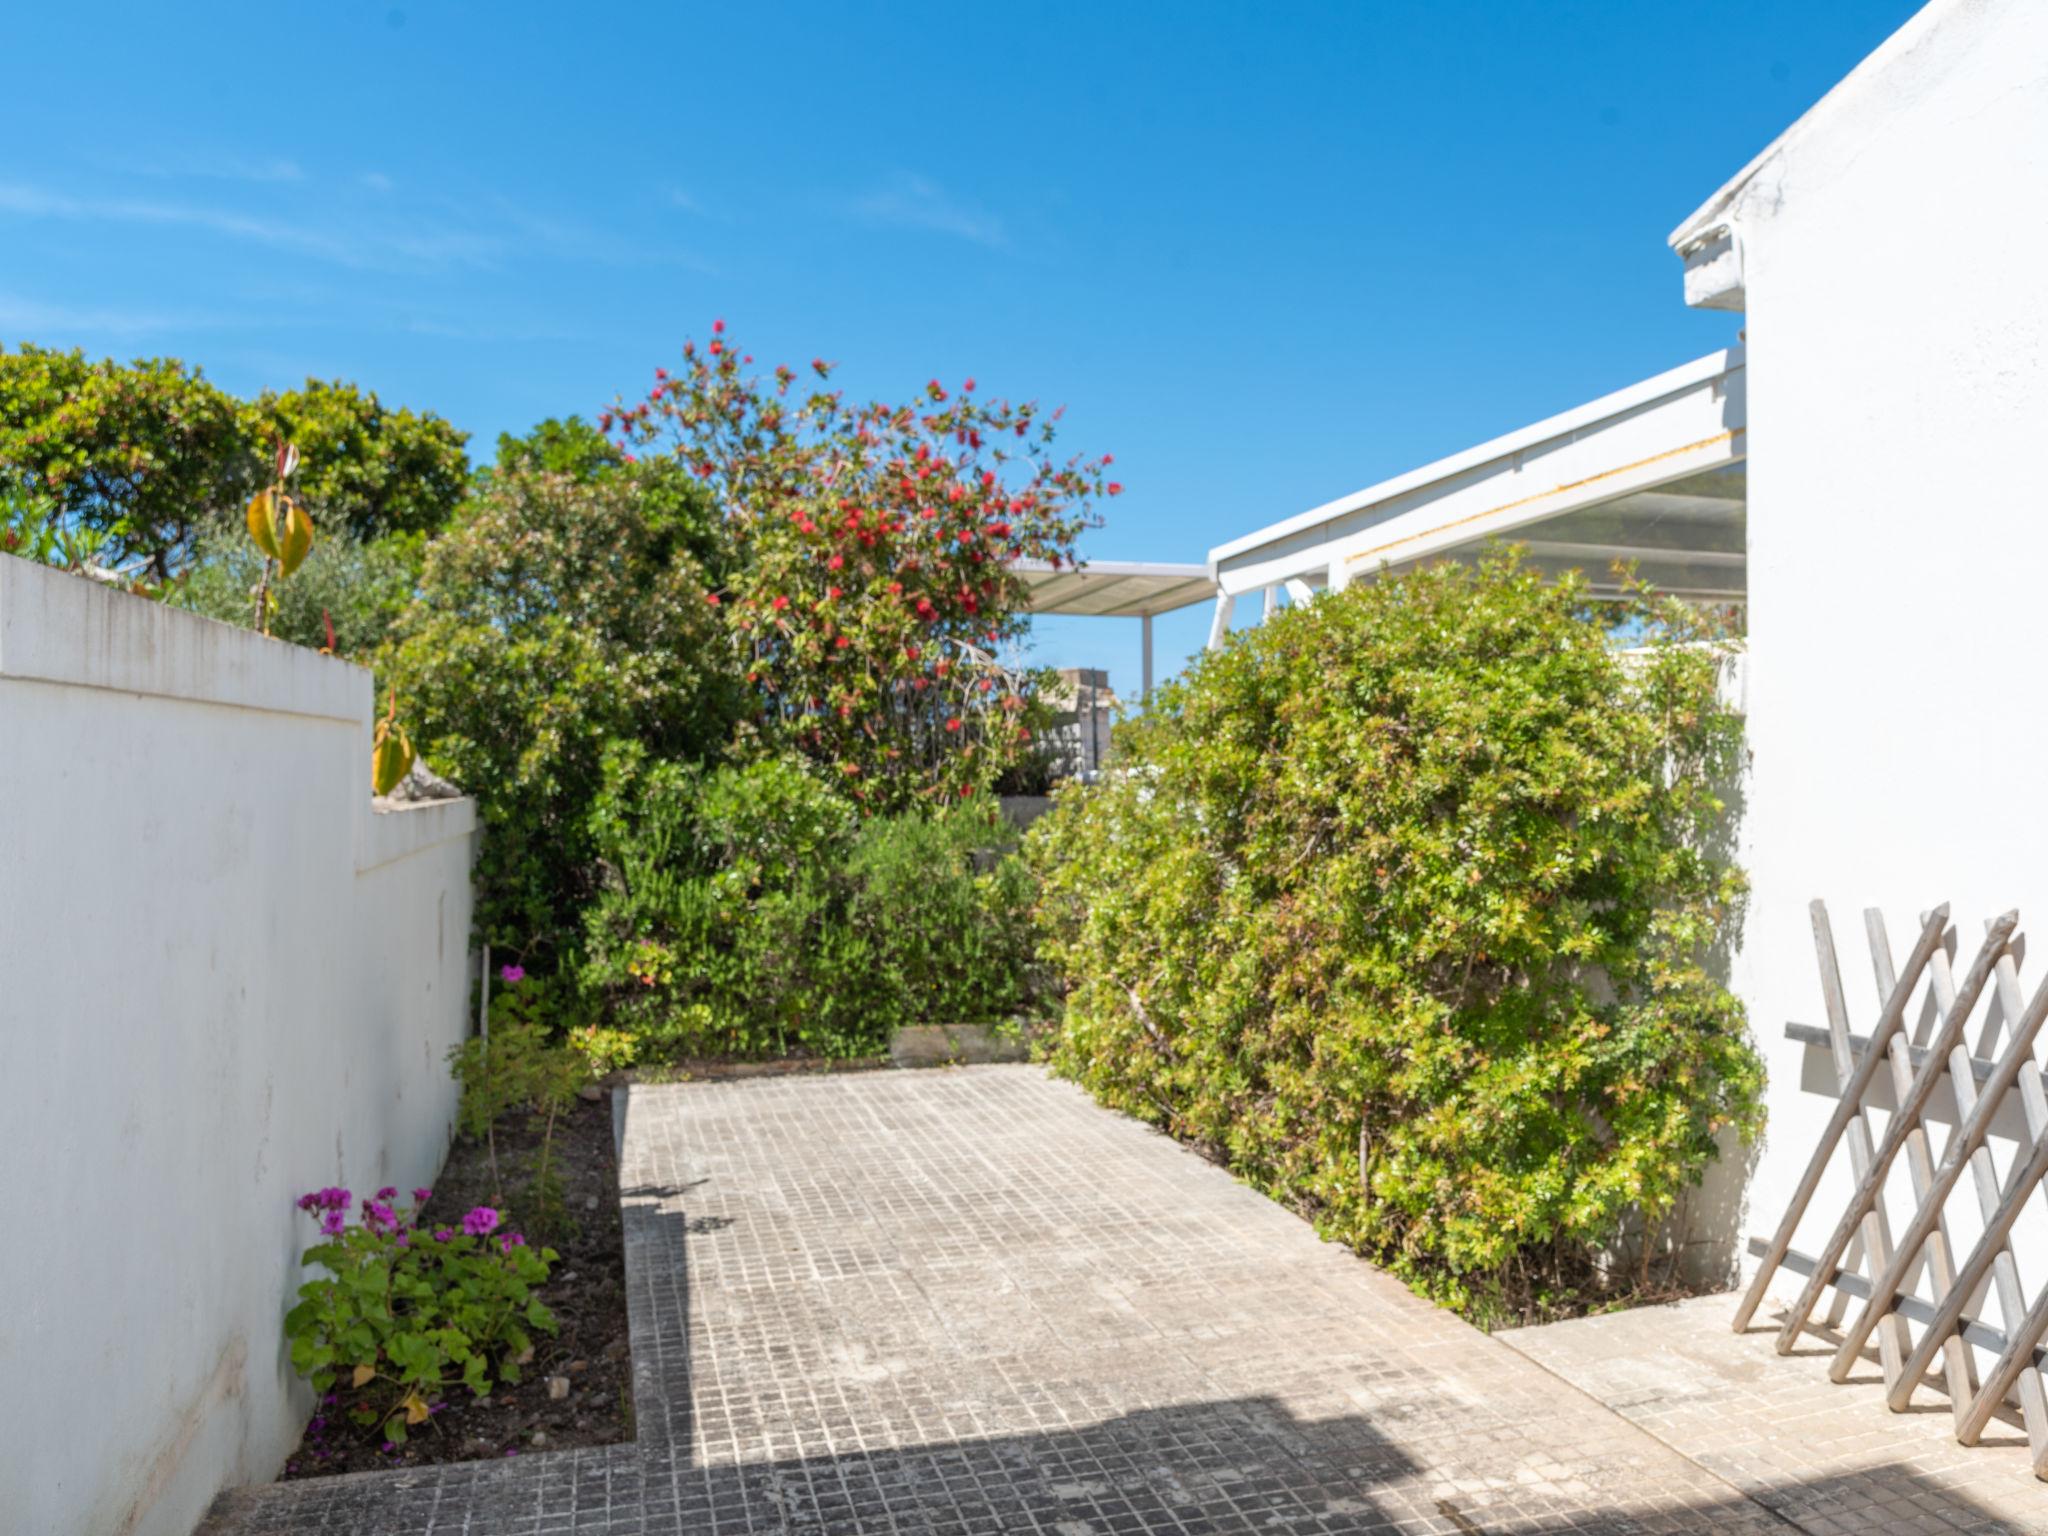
x,y
1118,589
1115,589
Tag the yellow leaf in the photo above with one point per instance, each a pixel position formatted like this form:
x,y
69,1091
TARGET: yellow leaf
x,y
390,757
262,526
363,1373
295,537
415,1408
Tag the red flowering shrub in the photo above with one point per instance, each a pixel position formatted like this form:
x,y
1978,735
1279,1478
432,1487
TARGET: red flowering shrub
x,y
874,584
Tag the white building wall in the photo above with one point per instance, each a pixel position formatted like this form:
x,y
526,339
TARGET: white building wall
x,y
224,980
1897,326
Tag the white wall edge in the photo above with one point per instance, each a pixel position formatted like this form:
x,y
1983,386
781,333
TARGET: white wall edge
x,y
59,628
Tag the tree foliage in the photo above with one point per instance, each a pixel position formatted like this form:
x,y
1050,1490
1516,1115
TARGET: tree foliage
x,y
149,456
1405,904
554,618
366,469
138,455
873,581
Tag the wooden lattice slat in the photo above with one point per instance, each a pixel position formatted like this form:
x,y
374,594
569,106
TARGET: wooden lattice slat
x,y
1980,1089
1847,1108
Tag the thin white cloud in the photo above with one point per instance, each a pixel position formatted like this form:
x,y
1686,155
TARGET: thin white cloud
x,y
358,249
24,319
446,330
376,181
220,168
910,201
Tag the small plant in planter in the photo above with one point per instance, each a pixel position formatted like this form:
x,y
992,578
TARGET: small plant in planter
x,y
519,1066
406,1312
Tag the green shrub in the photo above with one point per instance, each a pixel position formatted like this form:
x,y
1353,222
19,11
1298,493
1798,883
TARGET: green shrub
x,y
357,587
1405,905
950,943
557,616
751,911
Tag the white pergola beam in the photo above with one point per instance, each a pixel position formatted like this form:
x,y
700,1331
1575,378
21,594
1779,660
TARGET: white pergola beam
x,y
1679,424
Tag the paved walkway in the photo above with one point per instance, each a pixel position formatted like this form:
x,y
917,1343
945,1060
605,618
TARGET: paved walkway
x,y
971,1301
1831,1458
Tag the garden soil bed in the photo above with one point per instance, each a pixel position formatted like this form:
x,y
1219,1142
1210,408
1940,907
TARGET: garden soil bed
x,y
587,1293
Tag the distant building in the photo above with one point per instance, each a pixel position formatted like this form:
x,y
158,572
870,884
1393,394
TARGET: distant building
x,y
1079,738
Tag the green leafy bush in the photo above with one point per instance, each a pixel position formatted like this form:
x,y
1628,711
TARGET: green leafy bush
x,y
751,911
556,617
950,943
405,1311
1406,904
354,587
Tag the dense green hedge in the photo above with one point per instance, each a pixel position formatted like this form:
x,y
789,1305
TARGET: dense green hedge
x,y
752,910
559,616
1403,904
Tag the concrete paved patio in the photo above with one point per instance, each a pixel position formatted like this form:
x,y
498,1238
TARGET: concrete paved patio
x,y
1832,1458
971,1301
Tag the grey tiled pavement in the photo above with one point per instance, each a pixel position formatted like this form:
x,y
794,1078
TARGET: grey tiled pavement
x,y
1832,1457
970,1301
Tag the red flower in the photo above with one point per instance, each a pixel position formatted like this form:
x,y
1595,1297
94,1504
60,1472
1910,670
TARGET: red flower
x,y
661,373
1115,489
781,603
718,327
832,592
841,642
711,598
953,724
835,562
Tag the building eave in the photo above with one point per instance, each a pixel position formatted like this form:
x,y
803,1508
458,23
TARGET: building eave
x,y
1709,241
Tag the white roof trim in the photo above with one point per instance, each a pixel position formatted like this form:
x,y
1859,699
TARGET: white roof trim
x,y
1671,381
1714,214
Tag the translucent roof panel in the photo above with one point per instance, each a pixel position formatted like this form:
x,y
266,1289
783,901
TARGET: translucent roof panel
x,y
1115,589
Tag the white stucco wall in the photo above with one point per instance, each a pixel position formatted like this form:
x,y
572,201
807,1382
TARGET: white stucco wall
x,y
1897,325
224,979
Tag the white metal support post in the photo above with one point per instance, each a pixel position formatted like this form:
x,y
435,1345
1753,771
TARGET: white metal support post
x,y
1220,625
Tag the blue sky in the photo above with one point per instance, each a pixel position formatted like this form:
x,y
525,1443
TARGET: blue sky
x,y
1265,254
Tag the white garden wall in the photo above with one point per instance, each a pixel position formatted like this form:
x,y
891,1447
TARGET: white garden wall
x,y
224,979
1890,251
